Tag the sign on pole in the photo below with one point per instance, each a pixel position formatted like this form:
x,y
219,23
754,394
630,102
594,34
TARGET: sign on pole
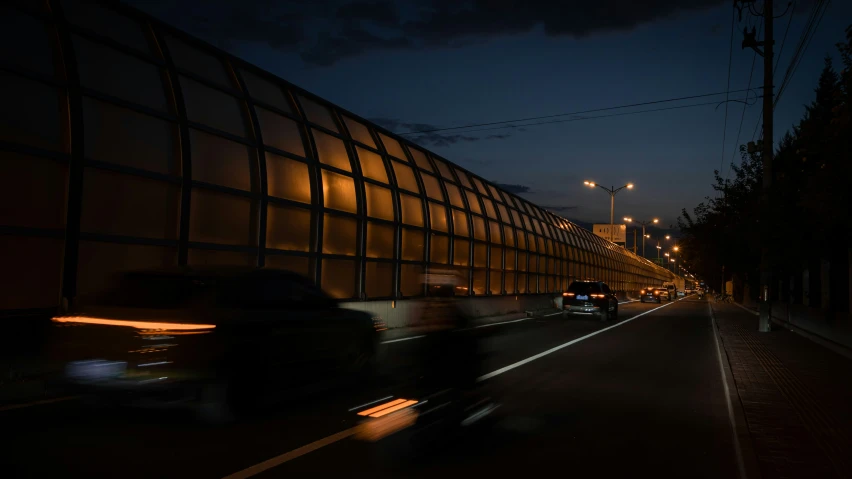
x,y
619,234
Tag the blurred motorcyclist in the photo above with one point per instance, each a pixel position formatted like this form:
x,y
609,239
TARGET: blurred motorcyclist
x,y
451,356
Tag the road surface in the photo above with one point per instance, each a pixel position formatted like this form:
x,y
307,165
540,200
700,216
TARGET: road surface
x,y
644,397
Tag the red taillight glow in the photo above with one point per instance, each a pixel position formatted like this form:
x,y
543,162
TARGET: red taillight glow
x,y
567,294
598,295
133,324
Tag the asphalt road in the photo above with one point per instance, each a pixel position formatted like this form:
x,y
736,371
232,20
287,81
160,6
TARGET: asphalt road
x,y
644,397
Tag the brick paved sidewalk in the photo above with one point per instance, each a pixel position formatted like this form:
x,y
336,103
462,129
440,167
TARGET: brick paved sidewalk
x,y
796,397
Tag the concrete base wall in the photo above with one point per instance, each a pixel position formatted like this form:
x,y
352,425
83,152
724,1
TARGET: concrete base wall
x,y
402,313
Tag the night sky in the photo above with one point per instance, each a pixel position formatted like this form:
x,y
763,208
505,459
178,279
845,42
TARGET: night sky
x,y
426,64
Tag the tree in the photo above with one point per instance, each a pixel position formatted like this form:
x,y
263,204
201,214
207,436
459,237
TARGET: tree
x,y
808,211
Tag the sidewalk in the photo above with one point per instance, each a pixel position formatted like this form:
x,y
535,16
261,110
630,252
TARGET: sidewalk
x,y
833,332
796,397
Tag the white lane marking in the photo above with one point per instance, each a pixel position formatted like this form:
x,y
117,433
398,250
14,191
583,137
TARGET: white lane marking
x,y
371,402
553,314
628,301
36,403
731,418
289,456
565,345
403,339
496,324
295,453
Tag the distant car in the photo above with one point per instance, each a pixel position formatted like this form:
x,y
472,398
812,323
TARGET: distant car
x,y
665,293
651,295
213,340
681,293
590,298
672,290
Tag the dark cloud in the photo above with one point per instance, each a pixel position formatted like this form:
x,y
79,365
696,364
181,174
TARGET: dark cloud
x,y
516,189
326,32
445,22
329,48
379,12
432,138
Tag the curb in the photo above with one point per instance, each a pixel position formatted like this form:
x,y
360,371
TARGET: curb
x,y
750,468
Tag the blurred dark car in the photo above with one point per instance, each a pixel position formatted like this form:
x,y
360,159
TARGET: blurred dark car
x,y
651,295
215,340
590,298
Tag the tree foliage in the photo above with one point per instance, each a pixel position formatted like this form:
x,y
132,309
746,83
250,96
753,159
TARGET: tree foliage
x,y
809,204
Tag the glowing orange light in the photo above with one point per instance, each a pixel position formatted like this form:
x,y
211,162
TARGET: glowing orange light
x,y
389,410
380,407
132,324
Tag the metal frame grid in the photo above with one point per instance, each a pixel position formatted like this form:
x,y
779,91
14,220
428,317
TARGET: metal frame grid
x,y
503,243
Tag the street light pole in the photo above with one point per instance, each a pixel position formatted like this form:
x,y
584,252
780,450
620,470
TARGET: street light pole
x,y
611,216
612,192
643,223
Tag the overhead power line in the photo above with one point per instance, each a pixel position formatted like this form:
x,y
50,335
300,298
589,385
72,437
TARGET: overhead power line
x,y
728,88
596,110
783,40
742,117
626,113
808,34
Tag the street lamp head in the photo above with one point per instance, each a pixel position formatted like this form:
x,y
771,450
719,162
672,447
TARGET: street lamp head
x,y
647,236
659,247
668,237
656,220
628,219
589,183
676,248
672,261
629,186
666,254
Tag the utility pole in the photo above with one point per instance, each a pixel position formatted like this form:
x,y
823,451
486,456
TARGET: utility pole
x,y
634,239
749,40
765,321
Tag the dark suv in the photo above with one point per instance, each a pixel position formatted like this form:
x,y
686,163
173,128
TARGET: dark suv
x,y
590,298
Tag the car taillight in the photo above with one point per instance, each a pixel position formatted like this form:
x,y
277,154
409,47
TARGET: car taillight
x,y
598,295
145,327
656,292
567,294
642,292
379,324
